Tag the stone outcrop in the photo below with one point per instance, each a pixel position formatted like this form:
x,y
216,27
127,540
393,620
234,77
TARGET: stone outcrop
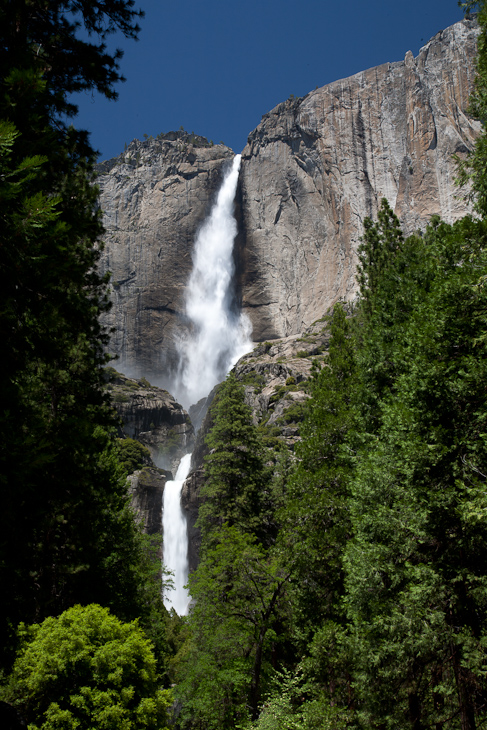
x,y
275,375
154,196
146,488
316,167
152,416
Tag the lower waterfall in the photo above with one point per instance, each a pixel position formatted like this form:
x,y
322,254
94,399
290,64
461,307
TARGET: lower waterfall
x,y
218,336
175,531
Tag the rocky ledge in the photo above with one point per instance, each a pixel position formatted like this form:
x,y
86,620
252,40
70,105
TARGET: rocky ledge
x,y
152,416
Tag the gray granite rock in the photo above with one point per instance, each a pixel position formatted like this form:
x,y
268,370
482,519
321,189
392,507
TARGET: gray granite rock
x,y
154,196
152,416
316,167
311,172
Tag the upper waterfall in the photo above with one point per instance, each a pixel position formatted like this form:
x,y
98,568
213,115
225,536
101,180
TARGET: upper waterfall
x,y
219,335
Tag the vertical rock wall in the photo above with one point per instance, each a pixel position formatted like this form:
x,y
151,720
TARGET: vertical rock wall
x,y
154,197
311,172
316,167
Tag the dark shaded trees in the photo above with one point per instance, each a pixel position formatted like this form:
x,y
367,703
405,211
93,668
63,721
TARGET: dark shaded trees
x,y
236,478
239,587
416,588
65,532
240,592
315,518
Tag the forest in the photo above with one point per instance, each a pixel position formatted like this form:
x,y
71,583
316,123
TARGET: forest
x,y
340,586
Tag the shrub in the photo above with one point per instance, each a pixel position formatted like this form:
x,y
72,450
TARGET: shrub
x,y
132,454
84,669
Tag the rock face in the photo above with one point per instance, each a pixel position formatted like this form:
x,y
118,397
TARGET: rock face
x,y
275,376
146,488
152,416
154,197
311,172
316,167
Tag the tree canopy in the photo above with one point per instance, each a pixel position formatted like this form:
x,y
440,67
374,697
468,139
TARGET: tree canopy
x,y
85,668
65,532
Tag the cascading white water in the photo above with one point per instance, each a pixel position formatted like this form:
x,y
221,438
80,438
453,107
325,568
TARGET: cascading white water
x,y
174,528
218,335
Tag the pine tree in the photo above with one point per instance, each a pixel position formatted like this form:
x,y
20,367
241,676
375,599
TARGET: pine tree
x,y
416,589
316,519
240,596
65,532
236,479
239,586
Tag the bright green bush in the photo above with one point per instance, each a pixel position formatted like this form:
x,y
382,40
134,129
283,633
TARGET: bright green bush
x,y
86,669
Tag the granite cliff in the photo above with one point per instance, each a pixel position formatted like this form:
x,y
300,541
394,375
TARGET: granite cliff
x,y
316,167
311,172
151,415
154,196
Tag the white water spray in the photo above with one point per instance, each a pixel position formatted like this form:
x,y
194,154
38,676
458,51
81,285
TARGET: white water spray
x,y
219,336
175,531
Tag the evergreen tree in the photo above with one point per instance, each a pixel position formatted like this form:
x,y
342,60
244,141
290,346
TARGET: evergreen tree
x,y
239,591
239,585
65,532
316,520
416,588
391,277
236,489
473,167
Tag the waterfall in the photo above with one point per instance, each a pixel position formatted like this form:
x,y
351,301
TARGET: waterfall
x,y
217,338
175,546
218,334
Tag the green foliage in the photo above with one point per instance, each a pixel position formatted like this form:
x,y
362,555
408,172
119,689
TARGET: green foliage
x,y
253,378
472,168
239,591
392,279
289,706
239,586
416,588
235,490
132,455
87,669
120,398
66,534
293,414
315,515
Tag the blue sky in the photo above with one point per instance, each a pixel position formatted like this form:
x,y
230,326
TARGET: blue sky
x,y
216,67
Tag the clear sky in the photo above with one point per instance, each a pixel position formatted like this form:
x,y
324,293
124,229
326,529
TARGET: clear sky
x,y
215,67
